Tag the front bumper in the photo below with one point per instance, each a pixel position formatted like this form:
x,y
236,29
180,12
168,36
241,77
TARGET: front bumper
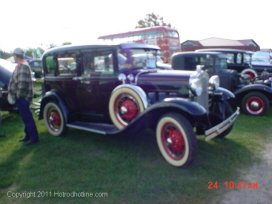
x,y
221,127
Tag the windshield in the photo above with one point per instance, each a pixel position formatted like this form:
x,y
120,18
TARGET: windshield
x,y
137,58
221,63
247,58
261,58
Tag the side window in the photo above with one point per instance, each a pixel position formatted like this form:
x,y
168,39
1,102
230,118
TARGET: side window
x,y
50,65
151,34
67,64
190,63
230,58
96,63
37,64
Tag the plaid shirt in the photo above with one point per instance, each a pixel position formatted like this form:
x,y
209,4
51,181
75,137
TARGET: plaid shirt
x,y
20,84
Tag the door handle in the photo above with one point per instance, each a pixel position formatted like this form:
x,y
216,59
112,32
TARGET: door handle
x,y
78,78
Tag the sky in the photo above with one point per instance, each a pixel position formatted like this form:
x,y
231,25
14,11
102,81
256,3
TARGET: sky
x,y
35,23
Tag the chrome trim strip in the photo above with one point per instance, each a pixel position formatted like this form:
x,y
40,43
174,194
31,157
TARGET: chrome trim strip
x,y
141,72
86,129
221,127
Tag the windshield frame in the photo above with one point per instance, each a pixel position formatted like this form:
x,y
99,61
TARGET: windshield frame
x,y
137,58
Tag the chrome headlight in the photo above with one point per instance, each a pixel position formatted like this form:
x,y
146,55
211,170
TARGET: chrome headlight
x,y
214,82
195,86
122,77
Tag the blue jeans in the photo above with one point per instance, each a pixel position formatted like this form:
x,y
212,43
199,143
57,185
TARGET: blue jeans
x,y
27,117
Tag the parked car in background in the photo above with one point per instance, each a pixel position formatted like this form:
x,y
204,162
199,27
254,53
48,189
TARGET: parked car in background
x,y
253,96
262,61
6,69
36,67
261,58
110,93
239,60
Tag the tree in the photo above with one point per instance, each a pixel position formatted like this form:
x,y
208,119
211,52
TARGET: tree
x,y
66,43
4,55
34,52
52,45
152,20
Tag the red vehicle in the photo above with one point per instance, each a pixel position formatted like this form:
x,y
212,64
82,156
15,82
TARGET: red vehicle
x,y
167,39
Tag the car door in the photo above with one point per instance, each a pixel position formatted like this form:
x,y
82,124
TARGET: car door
x,y
96,82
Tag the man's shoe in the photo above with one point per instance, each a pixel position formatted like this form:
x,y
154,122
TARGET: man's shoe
x,y
24,139
31,142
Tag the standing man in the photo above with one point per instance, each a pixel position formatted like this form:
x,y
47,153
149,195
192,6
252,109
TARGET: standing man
x,y
21,88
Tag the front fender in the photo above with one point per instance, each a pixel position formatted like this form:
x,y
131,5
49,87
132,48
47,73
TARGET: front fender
x,y
53,96
194,112
190,107
223,93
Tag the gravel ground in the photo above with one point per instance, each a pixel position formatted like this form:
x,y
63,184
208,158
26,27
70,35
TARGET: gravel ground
x,y
260,173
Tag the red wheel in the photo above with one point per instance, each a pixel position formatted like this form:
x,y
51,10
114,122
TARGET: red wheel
x,y
176,140
255,103
125,105
54,119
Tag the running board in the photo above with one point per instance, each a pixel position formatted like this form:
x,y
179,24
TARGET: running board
x,y
101,128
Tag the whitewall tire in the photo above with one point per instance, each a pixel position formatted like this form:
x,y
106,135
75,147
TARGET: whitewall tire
x,y
54,119
176,140
125,105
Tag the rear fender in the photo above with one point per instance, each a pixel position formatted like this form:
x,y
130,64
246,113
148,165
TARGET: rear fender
x,y
53,96
254,87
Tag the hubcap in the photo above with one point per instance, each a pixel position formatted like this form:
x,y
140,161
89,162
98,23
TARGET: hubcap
x,y
54,120
127,108
255,105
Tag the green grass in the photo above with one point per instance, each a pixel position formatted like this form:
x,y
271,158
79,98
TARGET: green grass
x,y
127,169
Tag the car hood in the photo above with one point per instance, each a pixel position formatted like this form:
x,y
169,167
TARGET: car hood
x,y
6,69
165,81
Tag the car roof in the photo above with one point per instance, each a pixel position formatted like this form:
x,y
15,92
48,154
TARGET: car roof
x,y
66,48
225,50
219,54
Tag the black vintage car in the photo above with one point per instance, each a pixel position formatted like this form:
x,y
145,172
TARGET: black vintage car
x,y
239,60
253,96
104,89
36,67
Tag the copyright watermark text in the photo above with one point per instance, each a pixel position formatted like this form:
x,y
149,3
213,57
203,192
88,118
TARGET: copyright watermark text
x,y
56,194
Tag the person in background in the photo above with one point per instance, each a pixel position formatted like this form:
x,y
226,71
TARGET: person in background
x,y
21,88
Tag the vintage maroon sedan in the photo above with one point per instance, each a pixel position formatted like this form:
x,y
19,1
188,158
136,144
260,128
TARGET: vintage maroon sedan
x,y
104,89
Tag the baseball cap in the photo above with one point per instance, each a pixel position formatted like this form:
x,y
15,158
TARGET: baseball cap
x,y
19,51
